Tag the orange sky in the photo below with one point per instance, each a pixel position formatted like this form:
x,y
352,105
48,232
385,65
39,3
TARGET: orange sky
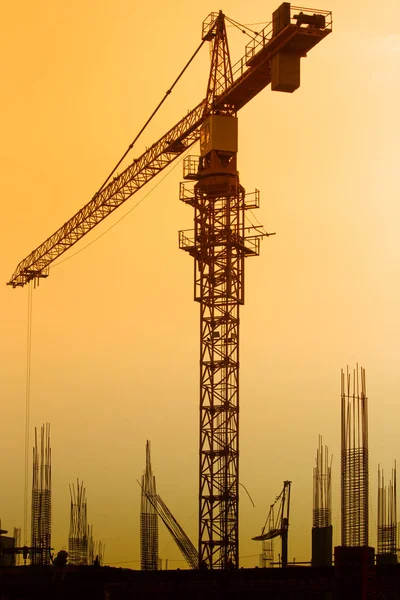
x,y
115,329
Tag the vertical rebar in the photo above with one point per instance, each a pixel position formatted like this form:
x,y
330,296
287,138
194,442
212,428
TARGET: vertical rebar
x,y
78,527
354,451
41,498
322,496
387,514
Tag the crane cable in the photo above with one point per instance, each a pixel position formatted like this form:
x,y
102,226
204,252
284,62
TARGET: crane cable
x,y
27,406
167,93
240,27
125,214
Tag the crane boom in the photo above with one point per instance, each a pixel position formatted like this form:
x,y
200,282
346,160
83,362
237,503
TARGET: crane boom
x,y
278,526
181,539
133,178
250,75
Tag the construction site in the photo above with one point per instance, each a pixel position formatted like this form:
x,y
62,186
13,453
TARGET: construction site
x,y
343,560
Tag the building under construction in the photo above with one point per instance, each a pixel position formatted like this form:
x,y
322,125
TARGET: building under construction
x,y
386,551
321,541
354,559
354,454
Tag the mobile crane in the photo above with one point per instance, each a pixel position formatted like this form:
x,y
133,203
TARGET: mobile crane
x,y
219,242
278,526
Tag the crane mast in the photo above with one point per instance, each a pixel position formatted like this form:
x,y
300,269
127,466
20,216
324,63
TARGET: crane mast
x,y
218,243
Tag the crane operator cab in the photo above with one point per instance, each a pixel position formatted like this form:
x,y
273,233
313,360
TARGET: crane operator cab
x,y
219,144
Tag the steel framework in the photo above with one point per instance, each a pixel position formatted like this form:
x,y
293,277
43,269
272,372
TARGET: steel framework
x,y
250,75
267,546
354,467
78,543
387,514
41,499
179,536
219,244
148,519
322,496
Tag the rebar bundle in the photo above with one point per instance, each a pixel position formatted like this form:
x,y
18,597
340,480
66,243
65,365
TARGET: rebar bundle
x,y
41,498
387,514
148,518
354,467
322,496
78,528
96,549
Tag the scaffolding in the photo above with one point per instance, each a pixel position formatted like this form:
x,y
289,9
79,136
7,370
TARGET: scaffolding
x,y
148,518
354,451
78,527
387,517
41,499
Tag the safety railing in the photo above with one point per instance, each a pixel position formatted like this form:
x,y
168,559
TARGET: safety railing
x,y
301,17
252,199
186,192
208,25
191,167
249,242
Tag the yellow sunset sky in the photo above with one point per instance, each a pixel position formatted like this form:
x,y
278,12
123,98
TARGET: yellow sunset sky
x,y
115,336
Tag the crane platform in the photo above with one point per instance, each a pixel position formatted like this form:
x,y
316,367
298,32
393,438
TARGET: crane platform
x,y
252,73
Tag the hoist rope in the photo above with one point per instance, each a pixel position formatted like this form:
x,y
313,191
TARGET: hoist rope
x,y
27,408
167,93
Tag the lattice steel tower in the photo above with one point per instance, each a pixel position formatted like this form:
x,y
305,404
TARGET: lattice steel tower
x,y
354,459
148,518
41,498
219,244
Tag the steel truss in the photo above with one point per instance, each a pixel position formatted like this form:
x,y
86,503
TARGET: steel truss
x,y
219,244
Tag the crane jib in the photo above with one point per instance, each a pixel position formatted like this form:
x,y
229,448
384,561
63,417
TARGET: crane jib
x,y
251,74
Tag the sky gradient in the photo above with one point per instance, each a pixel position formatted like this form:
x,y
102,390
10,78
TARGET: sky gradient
x,y
115,338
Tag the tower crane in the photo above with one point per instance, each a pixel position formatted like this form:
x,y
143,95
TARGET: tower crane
x,y
219,242
278,522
